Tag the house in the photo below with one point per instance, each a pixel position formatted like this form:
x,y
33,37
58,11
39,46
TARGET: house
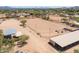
x,y
22,14
66,41
76,15
8,33
11,32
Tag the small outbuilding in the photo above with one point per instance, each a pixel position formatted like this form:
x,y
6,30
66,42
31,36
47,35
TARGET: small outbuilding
x,y
66,41
8,33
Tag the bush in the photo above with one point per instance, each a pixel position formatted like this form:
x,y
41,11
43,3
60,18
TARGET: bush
x,y
22,40
77,19
23,23
45,17
64,20
76,51
38,33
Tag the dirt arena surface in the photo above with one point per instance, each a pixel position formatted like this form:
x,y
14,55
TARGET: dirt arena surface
x,y
46,28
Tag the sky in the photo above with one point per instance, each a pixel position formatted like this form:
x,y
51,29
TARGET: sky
x,y
39,2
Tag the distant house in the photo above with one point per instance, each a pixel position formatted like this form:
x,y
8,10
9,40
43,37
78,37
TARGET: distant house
x,y
66,41
76,15
22,14
66,15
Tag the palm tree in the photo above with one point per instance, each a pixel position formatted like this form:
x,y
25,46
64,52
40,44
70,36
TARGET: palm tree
x,y
23,23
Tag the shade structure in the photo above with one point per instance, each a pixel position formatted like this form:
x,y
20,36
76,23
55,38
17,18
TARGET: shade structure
x,y
66,39
9,31
19,33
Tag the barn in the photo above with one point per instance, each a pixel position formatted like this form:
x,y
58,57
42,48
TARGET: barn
x,y
66,41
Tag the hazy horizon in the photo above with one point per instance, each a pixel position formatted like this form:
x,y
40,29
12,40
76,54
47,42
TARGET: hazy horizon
x,y
37,6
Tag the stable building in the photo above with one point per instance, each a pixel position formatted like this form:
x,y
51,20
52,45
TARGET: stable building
x,y
66,41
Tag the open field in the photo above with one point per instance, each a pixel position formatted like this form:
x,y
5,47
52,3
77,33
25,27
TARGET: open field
x,y
46,28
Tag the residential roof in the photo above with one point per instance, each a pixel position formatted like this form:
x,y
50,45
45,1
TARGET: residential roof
x,y
66,39
9,31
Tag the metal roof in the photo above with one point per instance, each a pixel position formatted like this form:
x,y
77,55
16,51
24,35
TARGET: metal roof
x,y
9,31
19,33
66,39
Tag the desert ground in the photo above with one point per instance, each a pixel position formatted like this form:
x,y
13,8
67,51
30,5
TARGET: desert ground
x,y
38,43
35,43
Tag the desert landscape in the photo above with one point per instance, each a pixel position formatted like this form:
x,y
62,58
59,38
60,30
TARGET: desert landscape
x,y
39,29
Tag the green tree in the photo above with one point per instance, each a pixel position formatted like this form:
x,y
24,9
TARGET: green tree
x,y
22,40
64,20
76,51
46,17
23,23
1,44
8,43
1,32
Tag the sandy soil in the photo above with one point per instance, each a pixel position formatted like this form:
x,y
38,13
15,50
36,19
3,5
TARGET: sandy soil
x,y
55,18
46,28
34,26
35,43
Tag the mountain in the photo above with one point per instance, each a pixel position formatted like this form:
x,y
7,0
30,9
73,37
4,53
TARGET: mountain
x,y
5,7
75,7
37,7
72,8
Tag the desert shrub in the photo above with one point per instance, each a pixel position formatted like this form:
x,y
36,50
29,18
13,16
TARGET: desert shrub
x,y
22,40
77,19
64,20
23,23
76,51
38,33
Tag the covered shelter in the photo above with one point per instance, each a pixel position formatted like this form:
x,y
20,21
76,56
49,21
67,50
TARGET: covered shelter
x,y
66,41
8,33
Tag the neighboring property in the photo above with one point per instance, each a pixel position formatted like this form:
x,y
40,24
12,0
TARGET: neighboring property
x,y
66,41
22,14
